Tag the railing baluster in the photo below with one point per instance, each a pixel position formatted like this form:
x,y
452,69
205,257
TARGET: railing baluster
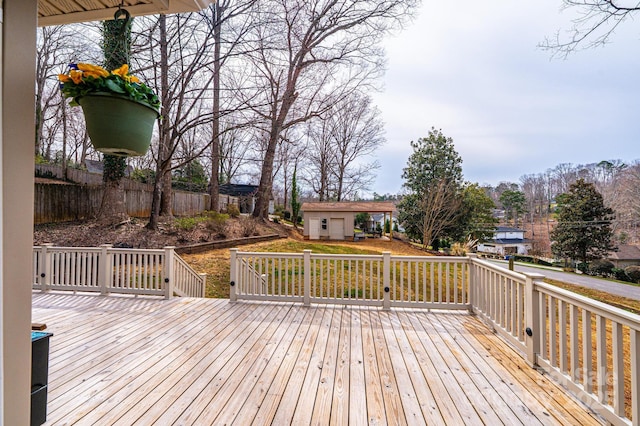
x,y
617,345
601,348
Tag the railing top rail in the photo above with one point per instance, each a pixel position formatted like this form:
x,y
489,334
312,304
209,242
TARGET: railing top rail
x,y
512,274
98,249
433,259
266,254
346,256
603,309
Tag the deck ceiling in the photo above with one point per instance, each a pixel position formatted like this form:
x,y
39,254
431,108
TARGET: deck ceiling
x,y
58,12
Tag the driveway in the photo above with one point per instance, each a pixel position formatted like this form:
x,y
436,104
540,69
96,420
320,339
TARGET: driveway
x,y
618,289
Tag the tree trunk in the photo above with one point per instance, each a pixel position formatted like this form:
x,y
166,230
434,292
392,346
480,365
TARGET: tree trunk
x,y
214,190
158,200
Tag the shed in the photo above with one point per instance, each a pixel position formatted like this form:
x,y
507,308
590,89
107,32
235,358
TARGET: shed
x,y
336,220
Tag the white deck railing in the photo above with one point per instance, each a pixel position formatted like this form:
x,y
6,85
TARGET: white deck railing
x,y
104,269
592,348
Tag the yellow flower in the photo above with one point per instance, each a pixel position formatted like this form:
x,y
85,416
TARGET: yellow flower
x,y
76,76
63,78
134,79
91,74
101,72
122,71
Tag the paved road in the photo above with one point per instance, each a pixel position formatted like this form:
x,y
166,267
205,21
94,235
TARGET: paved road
x,y
624,290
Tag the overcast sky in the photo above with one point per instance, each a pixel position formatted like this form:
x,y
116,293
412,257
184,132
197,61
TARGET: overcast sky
x,y
473,69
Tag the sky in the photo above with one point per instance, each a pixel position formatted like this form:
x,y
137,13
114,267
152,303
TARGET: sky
x,y
474,70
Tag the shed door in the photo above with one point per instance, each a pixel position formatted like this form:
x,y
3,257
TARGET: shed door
x,y
336,229
314,228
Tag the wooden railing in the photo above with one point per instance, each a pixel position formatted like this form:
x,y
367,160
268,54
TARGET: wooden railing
x,y
104,269
592,348
375,280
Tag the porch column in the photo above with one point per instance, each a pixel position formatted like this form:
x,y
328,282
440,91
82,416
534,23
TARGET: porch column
x,y
16,205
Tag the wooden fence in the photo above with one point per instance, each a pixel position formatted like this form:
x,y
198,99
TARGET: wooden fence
x,y
555,330
61,202
104,269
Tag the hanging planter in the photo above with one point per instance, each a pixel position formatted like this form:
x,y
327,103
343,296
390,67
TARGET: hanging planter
x,y
119,110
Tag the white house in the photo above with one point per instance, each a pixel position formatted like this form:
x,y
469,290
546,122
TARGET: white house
x,y
505,241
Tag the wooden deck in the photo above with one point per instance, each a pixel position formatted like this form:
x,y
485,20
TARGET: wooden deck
x,y
123,360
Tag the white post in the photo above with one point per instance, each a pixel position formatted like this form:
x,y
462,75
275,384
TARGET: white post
x,y
472,281
45,267
532,317
105,268
233,279
306,271
203,288
386,280
169,271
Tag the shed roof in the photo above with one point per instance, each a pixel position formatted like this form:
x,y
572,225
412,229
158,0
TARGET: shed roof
x,y
355,206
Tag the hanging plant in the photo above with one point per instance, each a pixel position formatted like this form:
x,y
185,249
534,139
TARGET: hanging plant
x,y
119,109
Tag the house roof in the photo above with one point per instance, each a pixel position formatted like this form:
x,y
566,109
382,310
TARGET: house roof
x,y
56,12
238,190
508,229
356,206
625,252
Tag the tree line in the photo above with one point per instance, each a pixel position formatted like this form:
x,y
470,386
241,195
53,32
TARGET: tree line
x,y
250,92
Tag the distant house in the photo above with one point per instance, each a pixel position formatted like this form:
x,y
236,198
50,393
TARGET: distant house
x,y
505,241
336,221
246,195
381,218
627,255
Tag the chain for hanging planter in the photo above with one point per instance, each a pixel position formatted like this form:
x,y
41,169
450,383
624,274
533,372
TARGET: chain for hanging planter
x,y
120,110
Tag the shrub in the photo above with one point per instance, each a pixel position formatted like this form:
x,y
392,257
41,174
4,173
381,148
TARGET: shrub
x,y
233,210
620,274
287,215
186,223
216,223
601,267
633,272
248,226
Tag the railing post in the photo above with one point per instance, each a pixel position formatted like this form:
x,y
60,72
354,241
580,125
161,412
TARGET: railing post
x,y
532,317
386,280
471,296
104,268
306,273
233,276
169,271
203,288
45,267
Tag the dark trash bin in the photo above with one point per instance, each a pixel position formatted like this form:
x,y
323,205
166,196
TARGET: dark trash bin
x,y
39,376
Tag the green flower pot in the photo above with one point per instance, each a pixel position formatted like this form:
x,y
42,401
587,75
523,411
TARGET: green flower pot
x,y
117,125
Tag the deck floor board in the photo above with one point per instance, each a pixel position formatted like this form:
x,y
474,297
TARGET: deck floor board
x,y
126,360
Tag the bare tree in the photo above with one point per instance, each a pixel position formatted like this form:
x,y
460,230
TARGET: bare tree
x,y
357,133
178,64
307,53
441,204
595,23
232,14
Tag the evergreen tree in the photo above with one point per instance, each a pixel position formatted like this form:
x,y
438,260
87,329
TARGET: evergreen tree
x,y
584,230
433,178
295,204
514,203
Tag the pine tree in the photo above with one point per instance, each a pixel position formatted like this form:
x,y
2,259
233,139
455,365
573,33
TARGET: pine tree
x,y
295,204
583,231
